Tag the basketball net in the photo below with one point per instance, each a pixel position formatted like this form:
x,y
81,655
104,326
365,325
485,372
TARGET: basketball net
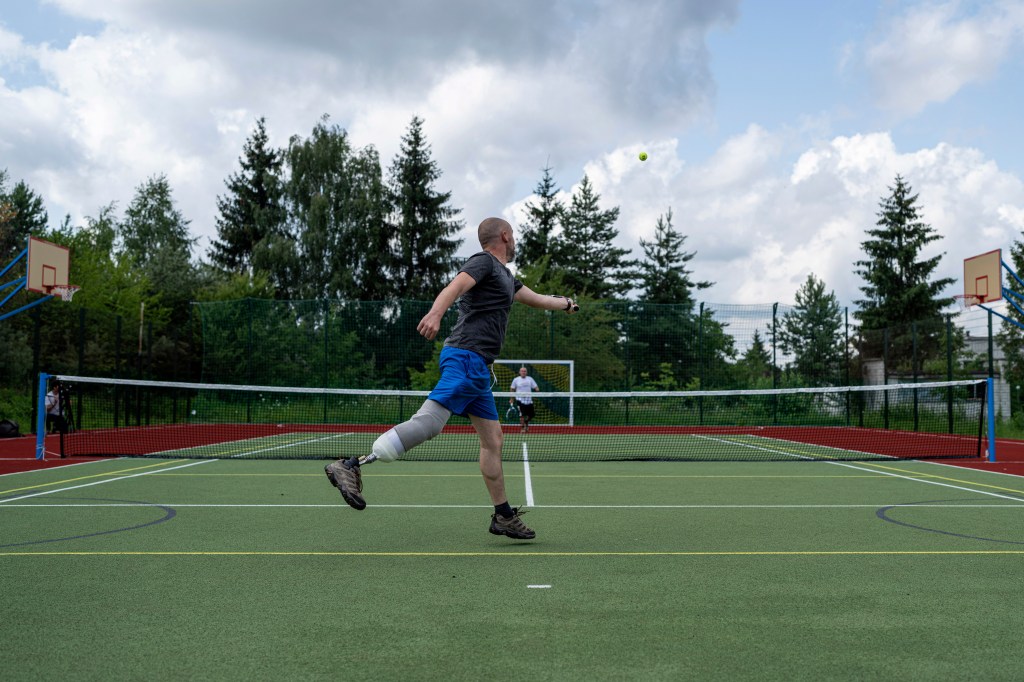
x,y
967,301
66,293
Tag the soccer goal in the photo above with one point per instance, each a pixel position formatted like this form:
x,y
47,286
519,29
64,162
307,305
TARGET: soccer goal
x,y
552,376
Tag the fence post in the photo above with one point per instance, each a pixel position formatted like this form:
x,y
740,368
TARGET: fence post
x,y
775,364
949,371
117,370
327,348
81,342
37,336
913,368
81,364
700,363
846,345
885,377
251,369
991,349
990,390
846,358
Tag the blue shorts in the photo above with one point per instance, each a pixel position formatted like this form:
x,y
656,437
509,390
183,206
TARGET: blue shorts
x,y
465,384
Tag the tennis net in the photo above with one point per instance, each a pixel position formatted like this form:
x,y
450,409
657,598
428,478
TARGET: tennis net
x,y
116,417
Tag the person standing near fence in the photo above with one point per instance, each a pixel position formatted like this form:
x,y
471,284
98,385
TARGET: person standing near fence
x,y
55,420
522,385
485,290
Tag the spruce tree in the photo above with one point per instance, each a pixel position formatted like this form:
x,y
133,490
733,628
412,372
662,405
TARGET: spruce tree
x,y
252,210
898,286
812,332
663,274
590,262
756,364
154,235
425,224
665,328
542,218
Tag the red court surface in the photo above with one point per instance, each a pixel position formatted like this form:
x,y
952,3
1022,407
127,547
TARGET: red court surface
x,y
19,454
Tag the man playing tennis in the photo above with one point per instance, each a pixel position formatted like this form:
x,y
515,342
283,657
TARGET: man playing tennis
x,y
485,290
522,385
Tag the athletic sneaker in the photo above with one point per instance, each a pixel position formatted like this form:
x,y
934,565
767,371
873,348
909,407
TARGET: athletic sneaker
x,y
512,527
346,477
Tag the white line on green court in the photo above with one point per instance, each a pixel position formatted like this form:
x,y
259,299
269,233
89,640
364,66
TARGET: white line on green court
x,y
922,480
879,470
345,509
517,554
106,480
526,477
304,441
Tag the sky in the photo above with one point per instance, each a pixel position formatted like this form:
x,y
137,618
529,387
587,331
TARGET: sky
x,y
773,127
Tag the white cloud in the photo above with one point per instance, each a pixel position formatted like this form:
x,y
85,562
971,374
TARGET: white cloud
x,y
933,51
173,86
759,231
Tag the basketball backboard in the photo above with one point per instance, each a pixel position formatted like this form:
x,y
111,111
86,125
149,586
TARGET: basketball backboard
x,y
983,277
48,265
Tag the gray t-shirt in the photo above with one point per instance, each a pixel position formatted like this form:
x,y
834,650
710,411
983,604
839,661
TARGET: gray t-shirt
x,y
483,310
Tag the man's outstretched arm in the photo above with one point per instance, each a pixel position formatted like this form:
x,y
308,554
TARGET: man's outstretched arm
x,y
531,298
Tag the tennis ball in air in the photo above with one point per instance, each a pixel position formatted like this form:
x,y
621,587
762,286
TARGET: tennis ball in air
x,y
643,156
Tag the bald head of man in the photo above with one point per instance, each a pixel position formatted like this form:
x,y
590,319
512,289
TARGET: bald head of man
x,y
496,235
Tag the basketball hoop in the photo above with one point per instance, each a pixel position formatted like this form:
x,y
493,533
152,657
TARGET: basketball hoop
x,y
66,292
967,301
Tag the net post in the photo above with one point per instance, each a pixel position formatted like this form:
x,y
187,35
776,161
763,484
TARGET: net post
x,y
44,378
572,391
990,397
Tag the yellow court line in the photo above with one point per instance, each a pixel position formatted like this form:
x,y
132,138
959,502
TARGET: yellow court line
x,y
945,478
83,478
542,554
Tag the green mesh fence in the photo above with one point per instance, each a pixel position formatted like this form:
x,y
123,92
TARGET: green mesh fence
x,y
615,346
628,345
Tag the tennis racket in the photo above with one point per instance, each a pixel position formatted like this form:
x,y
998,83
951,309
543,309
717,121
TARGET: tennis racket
x,y
512,414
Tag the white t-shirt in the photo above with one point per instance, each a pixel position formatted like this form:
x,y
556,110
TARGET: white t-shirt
x,y
522,386
52,402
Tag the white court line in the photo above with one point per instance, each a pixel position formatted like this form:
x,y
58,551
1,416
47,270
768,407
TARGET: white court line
x,y
343,508
959,468
526,476
108,480
292,445
919,480
177,452
874,471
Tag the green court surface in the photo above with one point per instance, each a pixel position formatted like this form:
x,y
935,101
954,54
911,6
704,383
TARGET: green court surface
x,y
256,570
541,446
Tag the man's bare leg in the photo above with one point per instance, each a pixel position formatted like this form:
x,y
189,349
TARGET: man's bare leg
x,y
505,520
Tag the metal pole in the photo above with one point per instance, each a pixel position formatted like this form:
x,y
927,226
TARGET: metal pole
x,y
40,416
990,389
949,371
775,362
